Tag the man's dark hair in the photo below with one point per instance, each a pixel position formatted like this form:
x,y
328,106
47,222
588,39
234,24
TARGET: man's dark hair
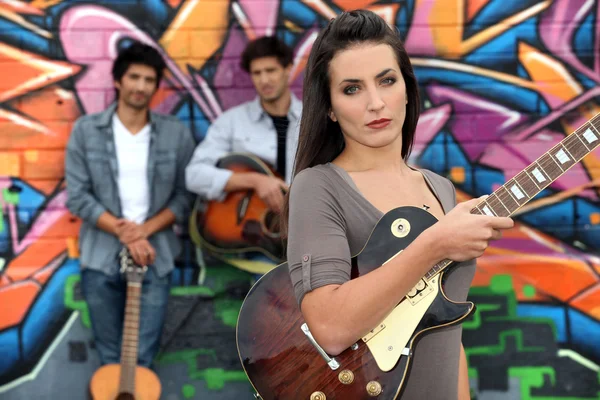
x,y
266,46
138,53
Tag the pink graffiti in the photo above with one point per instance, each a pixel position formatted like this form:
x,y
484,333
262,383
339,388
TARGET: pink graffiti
x,y
261,14
111,28
54,210
430,123
558,25
420,40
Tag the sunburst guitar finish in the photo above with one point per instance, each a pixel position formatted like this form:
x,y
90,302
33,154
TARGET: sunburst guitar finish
x,y
282,363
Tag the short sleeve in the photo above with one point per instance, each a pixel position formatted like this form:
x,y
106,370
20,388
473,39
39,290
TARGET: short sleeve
x,y
318,253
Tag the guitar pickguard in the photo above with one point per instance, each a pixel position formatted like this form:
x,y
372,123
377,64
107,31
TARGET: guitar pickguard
x,y
387,344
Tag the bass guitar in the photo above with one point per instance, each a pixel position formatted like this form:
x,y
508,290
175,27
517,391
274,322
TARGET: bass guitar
x,y
127,380
241,222
282,359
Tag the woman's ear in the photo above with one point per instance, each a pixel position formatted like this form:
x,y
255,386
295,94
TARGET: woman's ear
x,y
332,116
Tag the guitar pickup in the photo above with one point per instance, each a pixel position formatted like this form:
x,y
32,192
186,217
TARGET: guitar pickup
x,y
373,333
421,290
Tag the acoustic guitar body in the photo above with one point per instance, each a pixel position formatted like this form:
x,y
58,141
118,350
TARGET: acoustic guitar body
x,y
105,384
241,222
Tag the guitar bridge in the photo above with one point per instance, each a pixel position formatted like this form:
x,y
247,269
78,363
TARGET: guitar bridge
x,y
420,291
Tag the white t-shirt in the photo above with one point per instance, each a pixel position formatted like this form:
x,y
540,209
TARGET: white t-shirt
x,y
132,156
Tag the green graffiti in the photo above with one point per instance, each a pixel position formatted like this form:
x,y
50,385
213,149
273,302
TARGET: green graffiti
x,y
76,305
188,391
477,318
500,348
227,310
533,377
530,377
221,277
10,197
528,290
192,291
215,378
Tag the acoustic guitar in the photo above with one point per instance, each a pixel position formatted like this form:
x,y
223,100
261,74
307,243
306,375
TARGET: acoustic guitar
x,y
127,380
241,222
282,359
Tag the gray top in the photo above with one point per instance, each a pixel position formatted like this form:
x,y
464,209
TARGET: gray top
x,y
330,221
91,169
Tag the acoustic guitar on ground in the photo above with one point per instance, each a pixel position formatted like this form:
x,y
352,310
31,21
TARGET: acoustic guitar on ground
x,y
127,380
278,352
241,222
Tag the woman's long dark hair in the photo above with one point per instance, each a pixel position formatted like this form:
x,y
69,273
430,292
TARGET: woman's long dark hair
x,y
321,139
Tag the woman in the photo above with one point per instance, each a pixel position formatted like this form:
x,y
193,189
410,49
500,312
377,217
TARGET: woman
x,y
360,112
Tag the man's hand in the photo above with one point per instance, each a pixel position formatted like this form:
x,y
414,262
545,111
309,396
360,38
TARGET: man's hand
x,y
128,231
142,252
270,190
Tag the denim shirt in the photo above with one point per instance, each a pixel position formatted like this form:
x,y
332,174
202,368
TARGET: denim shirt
x,y
246,128
91,171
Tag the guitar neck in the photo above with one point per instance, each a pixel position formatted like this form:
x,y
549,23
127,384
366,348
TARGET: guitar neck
x,y
540,174
129,346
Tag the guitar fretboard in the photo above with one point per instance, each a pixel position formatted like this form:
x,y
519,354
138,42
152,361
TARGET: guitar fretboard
x,y
540,174
129,345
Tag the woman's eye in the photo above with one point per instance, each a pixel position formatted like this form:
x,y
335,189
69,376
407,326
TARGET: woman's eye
x,y
350,89
388,81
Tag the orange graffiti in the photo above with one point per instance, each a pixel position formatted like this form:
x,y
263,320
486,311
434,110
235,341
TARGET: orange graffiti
x,y
474,6
15,300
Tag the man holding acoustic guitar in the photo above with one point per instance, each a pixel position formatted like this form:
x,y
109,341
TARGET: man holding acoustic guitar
x,y
264,131
124,174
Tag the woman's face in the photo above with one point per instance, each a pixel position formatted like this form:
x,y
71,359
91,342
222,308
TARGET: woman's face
x,y
368,95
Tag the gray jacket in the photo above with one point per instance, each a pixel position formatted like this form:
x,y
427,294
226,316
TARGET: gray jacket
x,y
91,169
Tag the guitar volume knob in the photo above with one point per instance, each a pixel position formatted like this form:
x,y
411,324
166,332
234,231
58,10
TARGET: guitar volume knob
x,y
346,377
318,396
374,388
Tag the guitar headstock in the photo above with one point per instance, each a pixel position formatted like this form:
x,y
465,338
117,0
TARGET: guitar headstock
x,y
133,272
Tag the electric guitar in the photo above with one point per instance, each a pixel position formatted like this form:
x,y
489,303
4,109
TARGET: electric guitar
x,y
282,359
241,222
127,380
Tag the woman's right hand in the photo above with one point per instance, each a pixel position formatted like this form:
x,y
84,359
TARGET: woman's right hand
x,y
461,236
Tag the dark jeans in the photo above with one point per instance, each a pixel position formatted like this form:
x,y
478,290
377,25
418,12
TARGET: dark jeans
x,y
105,296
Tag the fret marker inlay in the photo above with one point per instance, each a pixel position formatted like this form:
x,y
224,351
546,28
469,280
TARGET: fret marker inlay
x,y
487,210
562,156
538,175
517,192
589,135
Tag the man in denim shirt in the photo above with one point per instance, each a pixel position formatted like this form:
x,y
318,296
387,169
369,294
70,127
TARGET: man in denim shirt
x,y
125,180
267,127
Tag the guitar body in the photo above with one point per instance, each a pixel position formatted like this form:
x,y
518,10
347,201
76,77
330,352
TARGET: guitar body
x,y
105,384
242,222
282,363
282,359
127,380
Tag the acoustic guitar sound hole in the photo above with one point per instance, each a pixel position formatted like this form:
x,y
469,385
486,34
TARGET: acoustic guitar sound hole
x,y
271,223
125,396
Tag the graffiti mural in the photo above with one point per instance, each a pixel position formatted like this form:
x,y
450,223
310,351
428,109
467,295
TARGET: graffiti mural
x,y
502,81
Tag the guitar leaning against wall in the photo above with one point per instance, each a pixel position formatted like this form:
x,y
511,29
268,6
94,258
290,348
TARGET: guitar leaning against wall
x,y
278,352
127,380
